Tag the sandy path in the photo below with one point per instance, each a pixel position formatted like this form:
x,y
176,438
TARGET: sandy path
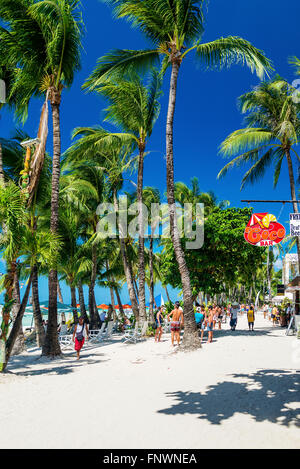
x,y
241,391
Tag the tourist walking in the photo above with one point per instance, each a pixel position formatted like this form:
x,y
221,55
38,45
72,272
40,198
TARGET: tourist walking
x,y
81,332
251,318
274,315
220,317
210,323
234,310
199,316
158,323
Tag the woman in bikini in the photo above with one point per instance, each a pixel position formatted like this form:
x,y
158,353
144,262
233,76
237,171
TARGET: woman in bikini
x,y
158,321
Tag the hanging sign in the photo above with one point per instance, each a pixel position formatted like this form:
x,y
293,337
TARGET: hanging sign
x,y
263,230
295,224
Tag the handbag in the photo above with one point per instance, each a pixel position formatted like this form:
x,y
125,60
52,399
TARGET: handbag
x,y
80,335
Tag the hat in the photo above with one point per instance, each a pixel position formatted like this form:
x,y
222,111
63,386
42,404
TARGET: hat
x,y
234,304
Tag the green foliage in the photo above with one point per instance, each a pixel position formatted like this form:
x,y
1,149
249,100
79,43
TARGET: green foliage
x,y
224,259
42,40
175,28
273,119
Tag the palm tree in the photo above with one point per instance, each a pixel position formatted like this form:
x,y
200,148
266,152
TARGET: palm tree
x,y
273,129
193,195
111,154
45,40
151,195
175,29
134,108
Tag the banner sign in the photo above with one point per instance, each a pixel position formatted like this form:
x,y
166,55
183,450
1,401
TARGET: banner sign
x,y
295,224
263,230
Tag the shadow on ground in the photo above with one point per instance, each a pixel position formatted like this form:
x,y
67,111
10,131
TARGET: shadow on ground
x,y
23,365
272,395
259,332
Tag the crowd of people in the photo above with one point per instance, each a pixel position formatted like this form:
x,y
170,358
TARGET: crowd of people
x,y
208,318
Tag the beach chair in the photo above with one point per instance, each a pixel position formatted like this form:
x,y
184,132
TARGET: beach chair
x,y
97,334
109,331
136,334
129,334
66,341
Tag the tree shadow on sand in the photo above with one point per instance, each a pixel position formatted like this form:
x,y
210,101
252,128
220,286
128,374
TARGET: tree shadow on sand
x,y
271,395
23,365
258,332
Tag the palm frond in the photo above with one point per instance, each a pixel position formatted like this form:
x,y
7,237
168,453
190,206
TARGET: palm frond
x,y
230,50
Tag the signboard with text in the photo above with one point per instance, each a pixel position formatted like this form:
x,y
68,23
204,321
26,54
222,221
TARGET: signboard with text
x,y
264,230
295,224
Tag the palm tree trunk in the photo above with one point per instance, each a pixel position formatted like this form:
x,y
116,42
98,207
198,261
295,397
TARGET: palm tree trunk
x,y
94,321
82,303
126,265
151,310
60,297
167,293
294,197
17,324
191,337
113,305
141,250
51,347
37,315
122,313
2,180
74,304
19,345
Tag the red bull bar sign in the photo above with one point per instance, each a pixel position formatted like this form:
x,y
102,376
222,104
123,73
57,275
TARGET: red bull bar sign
x,y
263,230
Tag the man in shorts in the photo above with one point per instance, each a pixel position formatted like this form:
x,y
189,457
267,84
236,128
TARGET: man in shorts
x,y
176,323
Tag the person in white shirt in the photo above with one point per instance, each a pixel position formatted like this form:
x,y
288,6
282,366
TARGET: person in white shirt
x,y
81,332
234,315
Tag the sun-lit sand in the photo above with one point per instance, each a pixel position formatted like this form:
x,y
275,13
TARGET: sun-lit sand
x,y
241,391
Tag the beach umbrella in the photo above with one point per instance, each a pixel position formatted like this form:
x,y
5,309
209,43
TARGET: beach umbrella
x,y
126,306
103,306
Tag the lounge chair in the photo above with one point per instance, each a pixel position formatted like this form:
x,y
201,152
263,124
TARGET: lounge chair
x,y
136,334
97,334
108,331
66,341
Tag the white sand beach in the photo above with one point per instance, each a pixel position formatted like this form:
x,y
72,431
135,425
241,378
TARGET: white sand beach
x,y
241,391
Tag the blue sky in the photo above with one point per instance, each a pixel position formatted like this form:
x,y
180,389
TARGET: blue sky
x,y
206,108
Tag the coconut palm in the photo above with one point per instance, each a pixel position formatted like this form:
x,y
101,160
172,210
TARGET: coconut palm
x,y
111,154
151,195
44,39
134,108
193,195
175,29
272,132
